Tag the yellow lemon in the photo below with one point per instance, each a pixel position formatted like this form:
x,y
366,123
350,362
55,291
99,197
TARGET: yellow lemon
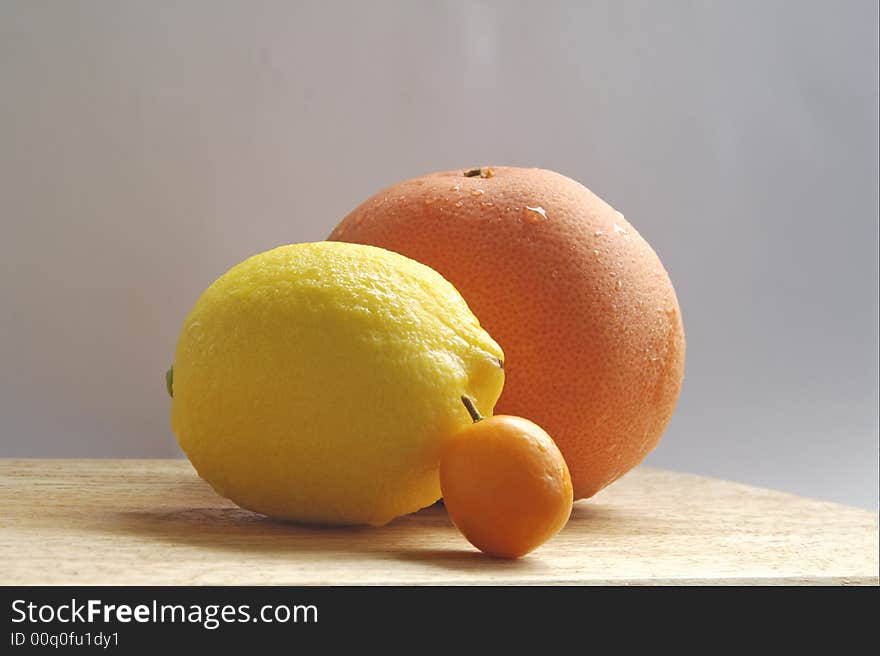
x,y
315,382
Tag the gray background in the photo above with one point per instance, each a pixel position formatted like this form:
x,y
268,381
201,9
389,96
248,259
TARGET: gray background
x,y
146,147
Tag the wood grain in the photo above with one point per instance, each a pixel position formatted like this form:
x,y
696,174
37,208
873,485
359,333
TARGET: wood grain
x,y
148,522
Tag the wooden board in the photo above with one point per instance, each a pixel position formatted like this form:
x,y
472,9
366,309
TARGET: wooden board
x,y
155,522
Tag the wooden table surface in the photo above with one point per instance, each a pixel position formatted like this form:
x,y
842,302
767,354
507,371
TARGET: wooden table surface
x,y
145,522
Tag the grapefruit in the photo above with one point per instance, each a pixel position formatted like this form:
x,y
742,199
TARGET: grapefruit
x,y
581,304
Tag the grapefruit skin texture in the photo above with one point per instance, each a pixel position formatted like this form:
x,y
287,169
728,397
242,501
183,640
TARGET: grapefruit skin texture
x,y
580,303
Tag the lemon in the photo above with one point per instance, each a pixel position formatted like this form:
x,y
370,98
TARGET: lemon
x,y
315,382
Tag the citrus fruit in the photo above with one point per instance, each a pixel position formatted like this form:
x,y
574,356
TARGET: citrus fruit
x,y
505,484
315,382
578,300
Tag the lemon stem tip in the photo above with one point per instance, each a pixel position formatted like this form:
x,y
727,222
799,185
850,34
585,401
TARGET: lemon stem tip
x,y
169,381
